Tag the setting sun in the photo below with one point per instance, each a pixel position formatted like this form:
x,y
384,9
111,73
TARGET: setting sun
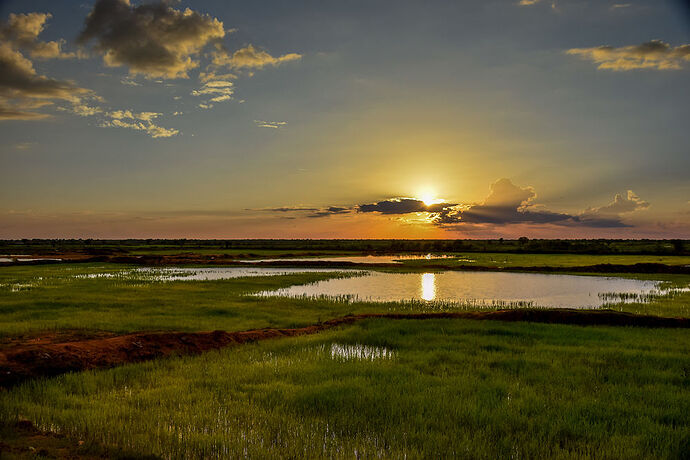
x,y
429,198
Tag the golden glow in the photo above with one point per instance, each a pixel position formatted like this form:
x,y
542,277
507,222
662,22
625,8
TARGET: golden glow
x,y
428,197
428,286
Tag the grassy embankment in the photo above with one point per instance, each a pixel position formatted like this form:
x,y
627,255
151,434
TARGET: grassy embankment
x,y
434,389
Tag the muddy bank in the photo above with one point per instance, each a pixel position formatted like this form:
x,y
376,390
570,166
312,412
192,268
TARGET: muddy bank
x,y
51,356
22,440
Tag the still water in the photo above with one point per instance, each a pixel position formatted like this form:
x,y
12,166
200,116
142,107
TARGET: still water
x,y
480,288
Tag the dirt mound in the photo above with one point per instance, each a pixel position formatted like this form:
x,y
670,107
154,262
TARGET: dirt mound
x,y
54,355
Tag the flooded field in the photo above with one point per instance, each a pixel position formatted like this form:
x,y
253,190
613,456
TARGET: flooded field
x,y
481,288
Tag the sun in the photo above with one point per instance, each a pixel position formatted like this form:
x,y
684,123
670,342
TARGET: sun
x,y
428,197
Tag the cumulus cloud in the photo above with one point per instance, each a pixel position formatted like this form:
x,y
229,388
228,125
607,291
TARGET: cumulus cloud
x,y
250,57
610,215
506,204
270,124
152,39
654,54
22,31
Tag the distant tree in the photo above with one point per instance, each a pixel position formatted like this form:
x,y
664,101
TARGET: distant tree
x,y
678,246
523,240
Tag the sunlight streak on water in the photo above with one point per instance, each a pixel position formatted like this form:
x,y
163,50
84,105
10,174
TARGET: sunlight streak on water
x,y
428,286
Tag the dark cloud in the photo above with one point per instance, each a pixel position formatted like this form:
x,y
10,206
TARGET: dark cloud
x,y
331,210
308,212
153,39
286,209
401,206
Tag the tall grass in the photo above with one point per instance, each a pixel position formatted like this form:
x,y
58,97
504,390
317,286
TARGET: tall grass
x,y
444,388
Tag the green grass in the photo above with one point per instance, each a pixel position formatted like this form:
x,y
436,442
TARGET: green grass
x,y
548,260
46,297
451,388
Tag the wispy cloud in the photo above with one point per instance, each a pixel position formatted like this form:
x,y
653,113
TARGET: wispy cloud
x,y
270,124
654,54
142,121
250,57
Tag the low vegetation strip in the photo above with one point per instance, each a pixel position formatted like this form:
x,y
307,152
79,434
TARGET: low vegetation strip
x,y
21,361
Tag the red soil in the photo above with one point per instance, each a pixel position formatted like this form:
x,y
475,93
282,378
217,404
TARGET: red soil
x,y
57,353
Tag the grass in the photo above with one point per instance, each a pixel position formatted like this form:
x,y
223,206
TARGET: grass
x,y
48,297
503,260
443,388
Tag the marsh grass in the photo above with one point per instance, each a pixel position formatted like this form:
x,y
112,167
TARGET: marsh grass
x,y
109,297
453,388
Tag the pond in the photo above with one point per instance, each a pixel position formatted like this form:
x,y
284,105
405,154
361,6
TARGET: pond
x,y
479,288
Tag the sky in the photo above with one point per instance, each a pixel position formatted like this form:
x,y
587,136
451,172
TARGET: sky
x,y
357,119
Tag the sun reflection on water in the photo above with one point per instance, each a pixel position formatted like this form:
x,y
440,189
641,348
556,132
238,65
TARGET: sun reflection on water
x,y
428,286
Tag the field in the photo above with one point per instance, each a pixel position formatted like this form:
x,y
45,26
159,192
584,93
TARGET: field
x,y
376,388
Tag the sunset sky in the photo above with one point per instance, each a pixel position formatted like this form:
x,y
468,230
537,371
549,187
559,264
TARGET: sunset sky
x,y
350,119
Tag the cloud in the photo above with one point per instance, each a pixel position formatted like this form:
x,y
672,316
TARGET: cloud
x,y
654,54
221,90
150,128
270,124
22,31
610,215
82,109
250,58
23,89
506,204
329,211
10,112
152,39
310,212
528,2
617,6
142,121
401,206
123,114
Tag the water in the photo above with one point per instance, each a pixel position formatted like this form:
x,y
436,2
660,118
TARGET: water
x,y
389,259
358,352
217,273
478,288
